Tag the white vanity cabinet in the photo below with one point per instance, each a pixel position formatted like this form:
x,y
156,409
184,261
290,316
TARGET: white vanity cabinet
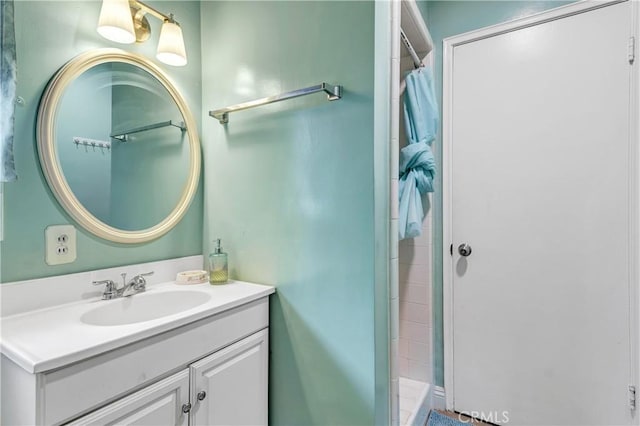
x,y
217,363
228,387
157,404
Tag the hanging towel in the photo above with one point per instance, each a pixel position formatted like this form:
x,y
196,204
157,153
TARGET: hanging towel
x,y
417,164
7,90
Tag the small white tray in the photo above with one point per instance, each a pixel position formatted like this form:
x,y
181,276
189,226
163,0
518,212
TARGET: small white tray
x,y
192,277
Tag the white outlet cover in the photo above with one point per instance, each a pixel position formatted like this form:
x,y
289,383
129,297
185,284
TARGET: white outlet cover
x,y
57,252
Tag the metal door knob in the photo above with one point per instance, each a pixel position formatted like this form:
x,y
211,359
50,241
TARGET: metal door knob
x,y
186,407
464,250
201,395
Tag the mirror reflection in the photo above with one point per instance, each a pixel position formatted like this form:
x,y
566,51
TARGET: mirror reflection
x,y
122,145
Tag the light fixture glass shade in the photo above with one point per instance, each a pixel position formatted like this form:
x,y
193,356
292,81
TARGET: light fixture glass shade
x,y
171,49
116,22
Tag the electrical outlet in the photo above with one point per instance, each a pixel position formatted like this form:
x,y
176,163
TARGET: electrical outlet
x,y
60,242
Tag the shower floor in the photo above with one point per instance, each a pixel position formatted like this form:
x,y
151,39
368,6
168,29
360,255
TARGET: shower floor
x,y
414,401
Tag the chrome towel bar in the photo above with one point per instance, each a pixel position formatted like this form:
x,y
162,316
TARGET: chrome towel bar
x,y
122,136
333,93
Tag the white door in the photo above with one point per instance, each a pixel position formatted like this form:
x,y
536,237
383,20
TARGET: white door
x,y
230,386
540,180
158,404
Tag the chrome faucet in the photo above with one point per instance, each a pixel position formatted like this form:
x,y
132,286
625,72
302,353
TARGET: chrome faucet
x,y
110,290
137,284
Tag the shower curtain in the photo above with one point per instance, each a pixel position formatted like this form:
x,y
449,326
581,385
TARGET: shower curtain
x,y
417,164
7,91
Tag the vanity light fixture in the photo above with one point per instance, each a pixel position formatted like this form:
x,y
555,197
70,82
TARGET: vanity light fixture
x,y
124,21
115,21
171,44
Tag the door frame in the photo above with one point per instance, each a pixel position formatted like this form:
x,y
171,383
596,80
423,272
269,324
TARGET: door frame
x,y
634,164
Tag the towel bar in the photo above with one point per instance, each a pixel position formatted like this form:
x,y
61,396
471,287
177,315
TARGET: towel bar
x,y
333,92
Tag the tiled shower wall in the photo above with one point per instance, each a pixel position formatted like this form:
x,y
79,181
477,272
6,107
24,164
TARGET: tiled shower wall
x,y
415,344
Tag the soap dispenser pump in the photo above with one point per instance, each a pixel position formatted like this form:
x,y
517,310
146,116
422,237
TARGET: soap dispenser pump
x,y
218,267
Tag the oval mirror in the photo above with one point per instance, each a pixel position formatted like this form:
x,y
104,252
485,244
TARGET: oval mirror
x,y
118,146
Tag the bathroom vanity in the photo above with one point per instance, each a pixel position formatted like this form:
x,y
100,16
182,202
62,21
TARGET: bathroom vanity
x,y
79,349
174,354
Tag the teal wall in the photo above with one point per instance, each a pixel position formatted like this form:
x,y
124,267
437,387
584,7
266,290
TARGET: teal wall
x,y
289,188
48,35
445,19
168,146
384,336
85,111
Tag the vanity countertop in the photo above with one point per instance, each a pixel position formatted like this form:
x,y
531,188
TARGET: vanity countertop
x,y
55,337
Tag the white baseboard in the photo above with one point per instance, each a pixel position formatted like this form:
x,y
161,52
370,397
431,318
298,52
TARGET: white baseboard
x,y
438,401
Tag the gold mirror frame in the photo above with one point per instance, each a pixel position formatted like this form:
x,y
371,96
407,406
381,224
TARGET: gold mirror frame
x,y
49,157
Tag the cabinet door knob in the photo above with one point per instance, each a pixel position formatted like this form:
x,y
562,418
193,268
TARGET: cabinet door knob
x,y
202,395
186,407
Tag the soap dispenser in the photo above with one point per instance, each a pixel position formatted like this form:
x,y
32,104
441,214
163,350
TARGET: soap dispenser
x,y
218,268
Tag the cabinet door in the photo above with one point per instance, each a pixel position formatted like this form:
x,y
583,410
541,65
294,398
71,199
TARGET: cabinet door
x,y
229,387
158,404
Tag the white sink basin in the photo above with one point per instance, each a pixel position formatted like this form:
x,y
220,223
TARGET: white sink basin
x,y
144,307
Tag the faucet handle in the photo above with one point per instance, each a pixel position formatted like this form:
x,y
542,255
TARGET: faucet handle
x,y
110,290
139,282
109,283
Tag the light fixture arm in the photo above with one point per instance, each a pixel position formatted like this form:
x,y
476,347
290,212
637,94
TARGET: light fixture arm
x,y
144,9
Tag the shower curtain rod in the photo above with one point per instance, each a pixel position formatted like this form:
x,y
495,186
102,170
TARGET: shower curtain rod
x,y
334,92
405,40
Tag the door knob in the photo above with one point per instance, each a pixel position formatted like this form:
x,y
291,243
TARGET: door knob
x,y
201,395
464,249
186,407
